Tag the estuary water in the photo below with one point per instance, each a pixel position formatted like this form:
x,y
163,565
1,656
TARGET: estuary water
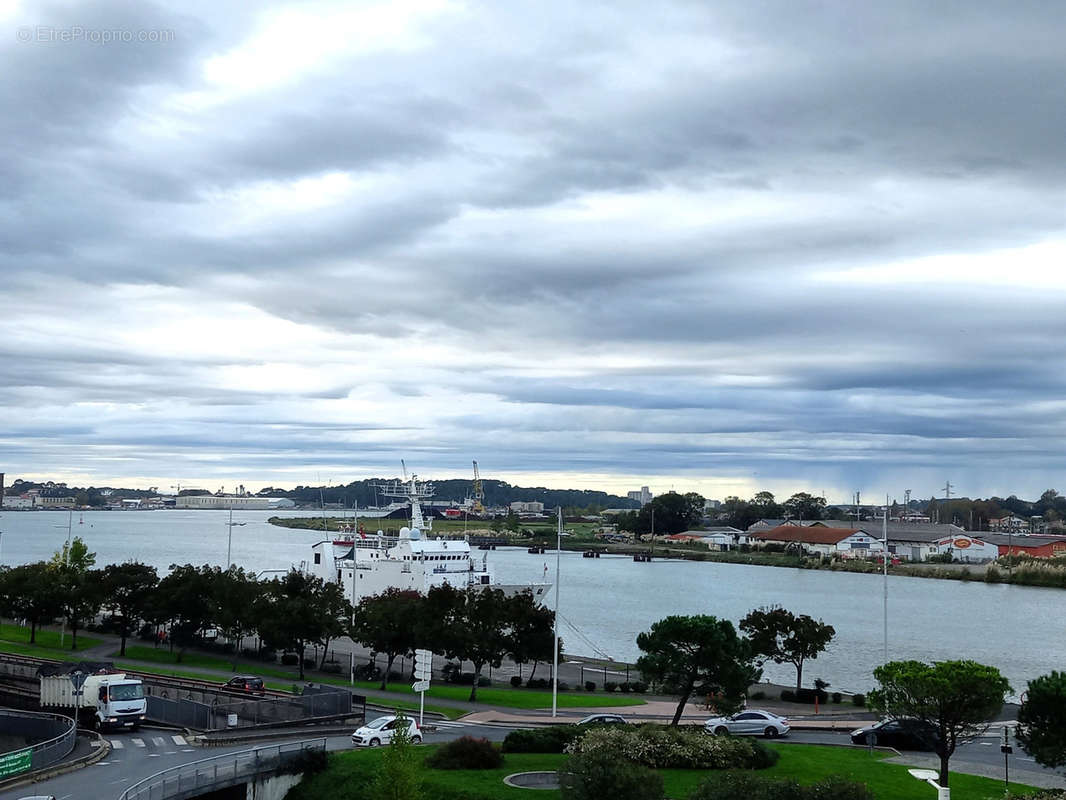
x,y
605,602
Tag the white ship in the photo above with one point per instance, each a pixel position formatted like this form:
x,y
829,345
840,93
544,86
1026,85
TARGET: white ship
x,y
367,564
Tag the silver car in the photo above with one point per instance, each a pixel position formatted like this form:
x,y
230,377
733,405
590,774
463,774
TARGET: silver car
x,y
381,730
749,723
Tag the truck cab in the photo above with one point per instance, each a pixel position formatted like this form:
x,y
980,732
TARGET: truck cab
x,y
120,702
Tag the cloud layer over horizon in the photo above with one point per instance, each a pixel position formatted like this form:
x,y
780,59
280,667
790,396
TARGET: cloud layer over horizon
x,y
724,246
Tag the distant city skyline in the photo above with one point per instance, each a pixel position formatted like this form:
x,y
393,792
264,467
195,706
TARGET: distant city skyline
x,y
723,246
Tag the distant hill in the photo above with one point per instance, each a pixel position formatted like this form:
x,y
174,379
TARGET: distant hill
x,y
497,493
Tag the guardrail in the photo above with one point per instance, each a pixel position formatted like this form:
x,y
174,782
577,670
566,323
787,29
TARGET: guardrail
x,y
198,777
42,754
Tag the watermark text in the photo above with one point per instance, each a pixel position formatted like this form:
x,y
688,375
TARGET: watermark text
x,y
52,34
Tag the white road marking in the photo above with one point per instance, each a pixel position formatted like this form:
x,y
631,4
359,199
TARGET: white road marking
x,y
101,763
154,755
157,741
117,744
179,740
190,750
138,742
170,752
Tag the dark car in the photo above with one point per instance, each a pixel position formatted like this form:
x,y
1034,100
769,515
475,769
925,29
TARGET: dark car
x,y
603,719
903,734
245,683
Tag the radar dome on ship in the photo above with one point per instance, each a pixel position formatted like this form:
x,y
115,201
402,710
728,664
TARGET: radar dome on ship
x,y
416,533
405,532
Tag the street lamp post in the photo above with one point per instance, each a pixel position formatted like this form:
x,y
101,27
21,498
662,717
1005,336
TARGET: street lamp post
x,y
555,622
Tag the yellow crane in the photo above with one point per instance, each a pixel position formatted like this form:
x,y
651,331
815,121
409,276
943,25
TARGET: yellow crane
x,y
479,492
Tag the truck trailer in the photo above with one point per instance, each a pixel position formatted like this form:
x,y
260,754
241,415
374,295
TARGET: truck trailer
x,y
96,693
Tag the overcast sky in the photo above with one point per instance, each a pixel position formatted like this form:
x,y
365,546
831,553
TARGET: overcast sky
x,y
721,246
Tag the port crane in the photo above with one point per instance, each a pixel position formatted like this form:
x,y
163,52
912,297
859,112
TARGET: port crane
x,y
478,492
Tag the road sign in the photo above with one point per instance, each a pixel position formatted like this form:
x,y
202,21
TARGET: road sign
x,y
423,672
420,686
423,655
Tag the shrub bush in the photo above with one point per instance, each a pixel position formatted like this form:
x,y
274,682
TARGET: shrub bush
x,y
662,747
808,695
537,683
759,694
837,787
837,697
859,700
516,681
590,686
564,686
309,663
290,659
625,688
483,681
595,776
762,756
746,786
788,696
550,739
610,686
640,687
466,753
332,667
367,672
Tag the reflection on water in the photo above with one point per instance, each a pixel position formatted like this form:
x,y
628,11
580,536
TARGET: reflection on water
x,y
612,599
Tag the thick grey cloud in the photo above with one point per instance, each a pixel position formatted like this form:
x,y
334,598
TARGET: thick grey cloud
x,y
808,245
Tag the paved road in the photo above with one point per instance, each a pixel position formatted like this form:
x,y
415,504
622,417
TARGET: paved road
x,y
137,755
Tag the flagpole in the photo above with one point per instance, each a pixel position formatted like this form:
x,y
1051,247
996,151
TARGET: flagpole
x,y
555,623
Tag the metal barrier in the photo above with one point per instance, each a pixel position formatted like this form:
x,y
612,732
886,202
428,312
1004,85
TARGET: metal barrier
x,y
42,754
199,777
210,710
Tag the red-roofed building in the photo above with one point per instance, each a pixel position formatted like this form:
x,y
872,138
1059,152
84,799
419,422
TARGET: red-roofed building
x,y
847,542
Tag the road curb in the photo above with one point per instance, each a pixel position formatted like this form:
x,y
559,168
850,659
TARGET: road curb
x,y
101,751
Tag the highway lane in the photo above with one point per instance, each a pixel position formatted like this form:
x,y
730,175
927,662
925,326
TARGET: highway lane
x,y
137,755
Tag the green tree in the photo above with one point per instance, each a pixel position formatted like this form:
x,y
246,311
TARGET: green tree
x,y
400,772
673,513
957,699
336,616
30,593
805,506
77,586
531,631
290,613
784,637
186,599
1041,729
479,622
127,592
700,653
386,623
235,592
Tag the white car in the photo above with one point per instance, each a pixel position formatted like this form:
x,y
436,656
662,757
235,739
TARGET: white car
x,y
749,723
380,731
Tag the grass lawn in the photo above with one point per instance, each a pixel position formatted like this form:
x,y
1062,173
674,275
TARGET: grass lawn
x,y
348,774
519,698
45,639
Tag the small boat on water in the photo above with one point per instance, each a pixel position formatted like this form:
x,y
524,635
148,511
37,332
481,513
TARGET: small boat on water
x,y
366,564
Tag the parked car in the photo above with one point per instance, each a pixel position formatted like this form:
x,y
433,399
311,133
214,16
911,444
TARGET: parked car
x,y
749,723
245,683
903,734
381,730
603,719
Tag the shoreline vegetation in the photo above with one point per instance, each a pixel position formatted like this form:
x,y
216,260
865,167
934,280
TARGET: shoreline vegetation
x,y
1014,570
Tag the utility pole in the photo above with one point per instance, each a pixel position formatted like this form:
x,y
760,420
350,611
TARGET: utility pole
x,y
884,563
555,622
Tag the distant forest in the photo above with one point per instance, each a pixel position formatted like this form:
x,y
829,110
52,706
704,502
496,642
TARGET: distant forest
x,y
364,492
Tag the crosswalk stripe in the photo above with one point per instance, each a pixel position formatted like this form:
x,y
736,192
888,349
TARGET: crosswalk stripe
x,y
138,742
117,744
180,740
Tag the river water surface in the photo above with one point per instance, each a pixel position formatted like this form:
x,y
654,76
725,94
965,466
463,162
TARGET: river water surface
x,y
606,602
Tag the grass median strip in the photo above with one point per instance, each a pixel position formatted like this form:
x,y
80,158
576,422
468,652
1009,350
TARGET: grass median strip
x,y
18,634
348,773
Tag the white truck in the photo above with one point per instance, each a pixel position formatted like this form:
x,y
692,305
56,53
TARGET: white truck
x,y
104,698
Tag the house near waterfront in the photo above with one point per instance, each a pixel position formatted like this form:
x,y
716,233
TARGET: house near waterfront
x,y
1011,522
821,540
